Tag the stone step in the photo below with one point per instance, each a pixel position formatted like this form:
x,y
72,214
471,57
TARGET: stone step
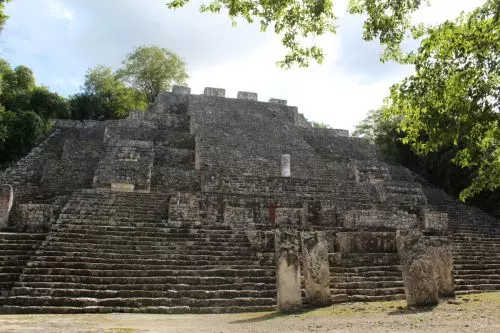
x,y
359,279
161,256
11,269
134,302
220,272
41,261
4,247
7,236
393,268
477,272
260,286
367,285
179,279
370,292
149,309
107,266
154,237
152,252
90,293
8,277
479,287
165,244
366,298
159,234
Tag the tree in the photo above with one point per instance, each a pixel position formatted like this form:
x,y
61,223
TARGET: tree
x,y
3,16
297,20
453,98
152,70
104,96
48,104
26,111
435,167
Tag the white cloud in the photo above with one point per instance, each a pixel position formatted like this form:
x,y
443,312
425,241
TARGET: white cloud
x,y
59,11
340,92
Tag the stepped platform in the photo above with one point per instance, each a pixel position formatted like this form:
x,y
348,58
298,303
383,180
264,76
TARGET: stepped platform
x,y
16,249
115,252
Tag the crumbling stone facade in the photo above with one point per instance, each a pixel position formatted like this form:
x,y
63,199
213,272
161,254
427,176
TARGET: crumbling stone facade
x,y
189,194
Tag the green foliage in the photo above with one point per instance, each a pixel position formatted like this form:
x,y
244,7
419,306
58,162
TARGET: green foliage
x,y
299,21
3,16
152,70
436,167
26,111
319,125
104,96
382,131
453,98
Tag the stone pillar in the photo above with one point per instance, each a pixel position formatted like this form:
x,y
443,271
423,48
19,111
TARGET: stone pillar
x,y
316,267
181,90
214,92
278,101
285,165
289,293
442,259
6,202
427,267
247,95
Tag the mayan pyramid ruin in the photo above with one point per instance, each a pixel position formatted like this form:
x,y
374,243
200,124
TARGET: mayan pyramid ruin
x,y
208,204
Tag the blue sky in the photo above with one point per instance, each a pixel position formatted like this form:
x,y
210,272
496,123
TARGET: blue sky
x,y
60,39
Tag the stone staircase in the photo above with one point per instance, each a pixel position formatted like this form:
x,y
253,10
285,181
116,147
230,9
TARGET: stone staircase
x,y
476,248
115,252
15,251
361,277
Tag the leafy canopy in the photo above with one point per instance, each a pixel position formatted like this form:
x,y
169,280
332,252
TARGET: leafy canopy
x,y
26,111
152,70
299,21
104,96
3,16
453,98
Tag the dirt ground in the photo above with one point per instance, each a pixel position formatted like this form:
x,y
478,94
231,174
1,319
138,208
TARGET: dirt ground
x,y
471,313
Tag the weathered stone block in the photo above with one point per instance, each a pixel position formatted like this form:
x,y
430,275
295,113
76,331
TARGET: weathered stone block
x,y
427,267
393,219
435,220
340,132
287,247
239,217
6,202
316,268
247,95
278,101
289,216
366,242
285,165
181,90
442,258
214,92
36,217
122,187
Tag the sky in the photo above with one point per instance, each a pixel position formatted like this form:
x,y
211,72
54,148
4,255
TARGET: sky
x,y
60,39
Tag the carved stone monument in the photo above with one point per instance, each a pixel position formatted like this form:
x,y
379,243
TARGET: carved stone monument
x,y
427,267
287,247
6,201
316,268
285,165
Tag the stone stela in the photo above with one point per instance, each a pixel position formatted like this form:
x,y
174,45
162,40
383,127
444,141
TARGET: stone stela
x,y
197,195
